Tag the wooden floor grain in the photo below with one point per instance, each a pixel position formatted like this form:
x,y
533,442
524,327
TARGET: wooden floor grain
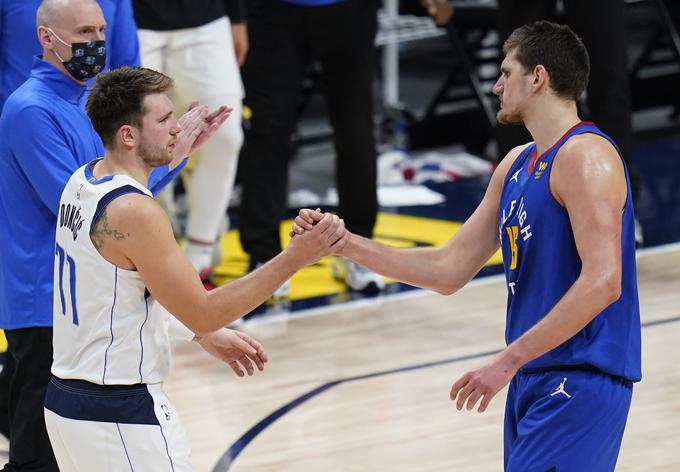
x,y
404,421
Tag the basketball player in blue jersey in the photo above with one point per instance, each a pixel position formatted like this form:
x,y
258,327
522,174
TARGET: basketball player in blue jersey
x,y
116,259
560,208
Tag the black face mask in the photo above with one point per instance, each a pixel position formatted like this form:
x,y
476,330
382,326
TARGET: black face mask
x,y
87,59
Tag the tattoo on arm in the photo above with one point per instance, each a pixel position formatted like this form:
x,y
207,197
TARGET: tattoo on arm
x,y
101,231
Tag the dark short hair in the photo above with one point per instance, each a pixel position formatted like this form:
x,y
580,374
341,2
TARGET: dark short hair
x,y
117,99
558,49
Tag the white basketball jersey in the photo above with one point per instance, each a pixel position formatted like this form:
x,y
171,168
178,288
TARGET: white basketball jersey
x,y
104,328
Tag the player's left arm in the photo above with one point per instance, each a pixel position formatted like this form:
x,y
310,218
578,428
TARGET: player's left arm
x,y
588,179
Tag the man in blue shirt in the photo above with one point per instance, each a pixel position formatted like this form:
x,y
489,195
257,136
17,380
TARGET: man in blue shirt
x,y
19,43
44,136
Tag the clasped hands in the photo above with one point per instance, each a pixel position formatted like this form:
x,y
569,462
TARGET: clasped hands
x,y
307,219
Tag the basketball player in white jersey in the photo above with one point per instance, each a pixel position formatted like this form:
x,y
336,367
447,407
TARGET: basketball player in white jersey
x,y
116,256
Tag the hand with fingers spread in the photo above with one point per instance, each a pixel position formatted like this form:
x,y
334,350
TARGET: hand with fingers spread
x,y
192,124
483,383
235,348
197,126
212,122
325,236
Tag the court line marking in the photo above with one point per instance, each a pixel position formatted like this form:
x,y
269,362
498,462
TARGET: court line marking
x,y
228,458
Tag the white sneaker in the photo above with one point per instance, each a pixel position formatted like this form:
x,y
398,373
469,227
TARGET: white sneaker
x,y
355,276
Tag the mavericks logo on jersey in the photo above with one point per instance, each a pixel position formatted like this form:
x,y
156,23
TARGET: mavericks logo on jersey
x,y
70,217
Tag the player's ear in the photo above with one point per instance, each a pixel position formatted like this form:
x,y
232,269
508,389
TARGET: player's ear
x,y
127,136
541,76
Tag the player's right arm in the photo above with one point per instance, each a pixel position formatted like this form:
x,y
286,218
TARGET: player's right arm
x,y
135,233
447,268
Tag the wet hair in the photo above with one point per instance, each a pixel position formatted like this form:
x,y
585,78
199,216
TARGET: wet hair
x,y
558,49
117,99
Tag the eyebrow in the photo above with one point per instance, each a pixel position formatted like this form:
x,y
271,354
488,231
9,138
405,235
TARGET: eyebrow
x,y
91,25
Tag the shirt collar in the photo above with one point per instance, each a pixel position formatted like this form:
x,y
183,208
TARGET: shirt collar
x,y
57,80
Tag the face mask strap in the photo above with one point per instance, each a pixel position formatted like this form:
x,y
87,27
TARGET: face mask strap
x,y
58,38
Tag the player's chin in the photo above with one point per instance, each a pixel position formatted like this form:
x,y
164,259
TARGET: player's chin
x,y
505,118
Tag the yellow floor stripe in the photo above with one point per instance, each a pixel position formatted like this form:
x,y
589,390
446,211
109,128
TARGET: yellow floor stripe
x,y
316,280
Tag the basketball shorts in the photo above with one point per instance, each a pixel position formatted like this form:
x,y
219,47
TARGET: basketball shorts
x,y
114,428
565,421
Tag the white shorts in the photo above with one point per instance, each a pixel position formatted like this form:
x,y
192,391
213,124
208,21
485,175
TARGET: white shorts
x,y
95,428
201,61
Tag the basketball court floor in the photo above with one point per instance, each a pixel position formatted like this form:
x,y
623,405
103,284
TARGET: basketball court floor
x,y
362,382
365,385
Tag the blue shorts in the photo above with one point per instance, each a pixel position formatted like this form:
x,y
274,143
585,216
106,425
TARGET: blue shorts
x,y
565,420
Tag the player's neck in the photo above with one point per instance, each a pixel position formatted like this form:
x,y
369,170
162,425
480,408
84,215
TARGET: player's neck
x,y
549,122
116,164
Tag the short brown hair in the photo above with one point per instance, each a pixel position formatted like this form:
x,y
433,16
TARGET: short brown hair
x,y
117,98
558,49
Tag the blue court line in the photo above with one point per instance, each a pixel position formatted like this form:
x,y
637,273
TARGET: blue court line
x,y
235,450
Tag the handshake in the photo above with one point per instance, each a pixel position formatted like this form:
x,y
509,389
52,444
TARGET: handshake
x,y
316,235
324,234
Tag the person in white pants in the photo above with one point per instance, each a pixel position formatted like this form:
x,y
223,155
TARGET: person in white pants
x,y
196,44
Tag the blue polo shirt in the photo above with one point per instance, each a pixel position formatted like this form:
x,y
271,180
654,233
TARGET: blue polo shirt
x,y
44,137
19,40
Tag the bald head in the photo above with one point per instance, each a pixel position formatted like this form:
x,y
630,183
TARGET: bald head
x,y
64,22
66,13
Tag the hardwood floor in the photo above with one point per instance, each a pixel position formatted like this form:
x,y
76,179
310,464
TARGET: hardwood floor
x,y
373,413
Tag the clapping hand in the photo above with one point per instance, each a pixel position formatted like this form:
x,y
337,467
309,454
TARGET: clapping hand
x,y
197,126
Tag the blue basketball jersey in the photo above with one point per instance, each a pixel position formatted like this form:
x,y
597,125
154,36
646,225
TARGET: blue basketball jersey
x,y
541,263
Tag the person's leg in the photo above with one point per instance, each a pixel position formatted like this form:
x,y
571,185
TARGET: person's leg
x,y
203,64
569,420
94,428
511,15
511,418
272,76
5,378
344,34
29,447
60,448
602,26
